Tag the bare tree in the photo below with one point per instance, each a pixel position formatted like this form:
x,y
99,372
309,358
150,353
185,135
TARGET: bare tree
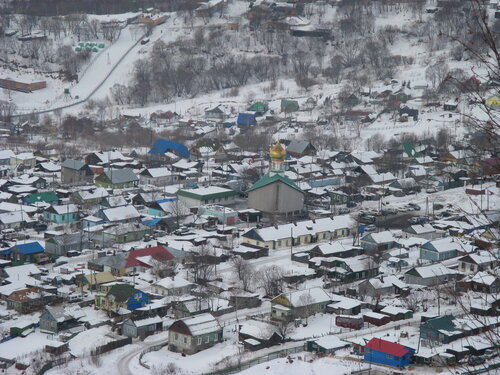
x,y
203,268
244,271
285,326
271,280
164,268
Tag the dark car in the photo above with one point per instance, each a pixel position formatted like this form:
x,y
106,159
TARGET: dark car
x,y
351,204
40,227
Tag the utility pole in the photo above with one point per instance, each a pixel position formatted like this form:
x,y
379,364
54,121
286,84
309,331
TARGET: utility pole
x,y
291,243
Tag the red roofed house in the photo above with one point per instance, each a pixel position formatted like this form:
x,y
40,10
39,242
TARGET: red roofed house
x,y
143,259
388,353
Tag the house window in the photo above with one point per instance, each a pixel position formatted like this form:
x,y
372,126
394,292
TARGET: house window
x,y
279,243
185,340
324,235
389,356
199,340
472,267
176,337
207,338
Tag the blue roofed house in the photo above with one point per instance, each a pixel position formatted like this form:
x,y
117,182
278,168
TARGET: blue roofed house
x,y
24,252
246,119
388,353
163,146
444,248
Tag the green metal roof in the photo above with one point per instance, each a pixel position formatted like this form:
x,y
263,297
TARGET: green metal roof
x,y
267,179
49,196
121,292
258,107
409,149
442,323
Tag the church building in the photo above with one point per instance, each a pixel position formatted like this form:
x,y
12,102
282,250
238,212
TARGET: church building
x,y
274,193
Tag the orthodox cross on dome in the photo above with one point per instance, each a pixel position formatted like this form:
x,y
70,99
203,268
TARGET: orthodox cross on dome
x,y
277,154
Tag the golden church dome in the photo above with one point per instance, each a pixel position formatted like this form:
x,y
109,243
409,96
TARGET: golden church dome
x,y
277,152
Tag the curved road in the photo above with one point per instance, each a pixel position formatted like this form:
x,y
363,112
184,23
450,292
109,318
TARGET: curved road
x,y
93,91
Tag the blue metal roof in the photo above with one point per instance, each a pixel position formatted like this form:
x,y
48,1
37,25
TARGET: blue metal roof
x,y
246,119
162,145
29,248
152,222
166,200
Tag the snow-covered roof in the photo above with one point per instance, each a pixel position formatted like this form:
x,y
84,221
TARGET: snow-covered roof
x,y
121,213
65,209
301,228
96,193
331,342
169,283
448,244
381,237
145,322
158,172
387,281
307,297
201,324
433,270
11,207
258,329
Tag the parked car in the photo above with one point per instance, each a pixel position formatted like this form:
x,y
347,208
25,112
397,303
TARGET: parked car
x,y
475,361
415,206
368,219
40,227
415,220
370,228
72,253
351,204
431,190
182,231
344,210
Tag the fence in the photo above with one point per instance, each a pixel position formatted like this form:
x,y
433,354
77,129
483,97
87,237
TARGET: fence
x,y
153,348
262,359
483,370
50,364
372,371
110,346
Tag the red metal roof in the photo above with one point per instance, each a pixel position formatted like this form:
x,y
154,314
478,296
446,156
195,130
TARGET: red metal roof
x,y
387,347
158,252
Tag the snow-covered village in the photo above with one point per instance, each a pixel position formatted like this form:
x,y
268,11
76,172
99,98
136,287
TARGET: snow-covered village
x,y
217,187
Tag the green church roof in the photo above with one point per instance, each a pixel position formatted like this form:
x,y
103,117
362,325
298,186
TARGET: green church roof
x,y
267,179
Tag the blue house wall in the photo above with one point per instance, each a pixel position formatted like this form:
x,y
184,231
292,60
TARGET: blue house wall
x,y
137,299
428,252
376,356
